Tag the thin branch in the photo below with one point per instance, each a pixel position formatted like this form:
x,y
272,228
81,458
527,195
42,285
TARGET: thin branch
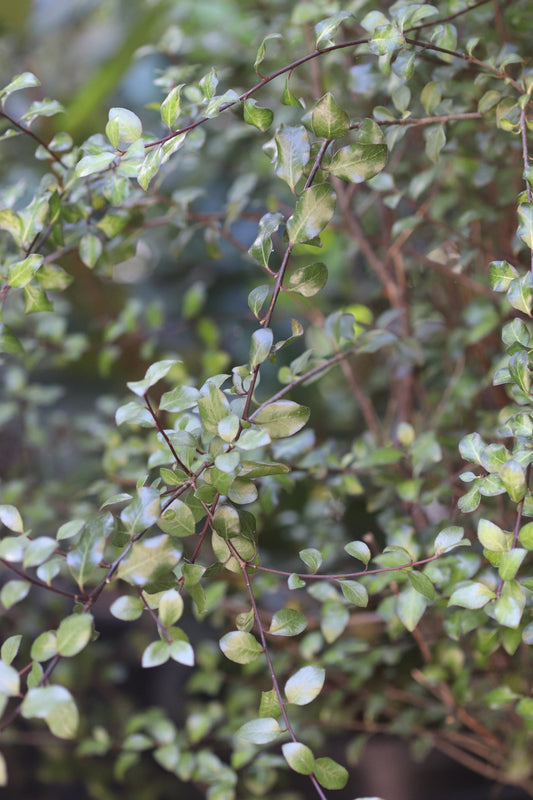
x,y
443,20
302,379
268,658
525,158
38,583
23,129
469,60
154,616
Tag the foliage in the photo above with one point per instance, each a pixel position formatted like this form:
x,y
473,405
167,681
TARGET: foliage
x,y
286,476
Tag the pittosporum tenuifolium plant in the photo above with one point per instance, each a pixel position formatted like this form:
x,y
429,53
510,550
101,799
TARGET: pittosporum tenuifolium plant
x,y
280,506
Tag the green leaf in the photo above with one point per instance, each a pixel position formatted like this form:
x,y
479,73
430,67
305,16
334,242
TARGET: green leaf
x,y
355,593
359,162
150,166
10,517
513,477
242,491
501,275
56,706
293,153
492,537
9,680
10,648
88,165
261,50
507,612
177,519
329,121
36,300
308,280
471,448
127,608
153,375
261,346
325,29
312,558
241,647
519,370
22,272
421,583
299,757
386,39
313,211
359,550
26,80
435,141
269,705
170,108
38,551
13,592
526,536
525,227
260,731
11,222
143,511
213,407
90,249
471,595
74,634
170,607
179,399
510,563
182,652
287,98
333,620
261,250
9,342
260,118
329,774
287,622
520,293
305,685
147,558
155,654
449,538
282,418
411,605
129,126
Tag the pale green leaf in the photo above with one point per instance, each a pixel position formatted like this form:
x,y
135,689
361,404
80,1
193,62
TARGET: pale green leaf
x,y
260,731
241,647
74,634
287,622
299,757
305,685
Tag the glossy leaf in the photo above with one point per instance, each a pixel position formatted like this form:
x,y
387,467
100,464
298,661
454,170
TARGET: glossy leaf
x,y
308,280
261,346
260,118
287,622
241,647
329,774
10,517
359,162
177,519
282,418
329,121
305,685
355,593
314,209
299,757
293,152
260,731
74,634
147,558
472,595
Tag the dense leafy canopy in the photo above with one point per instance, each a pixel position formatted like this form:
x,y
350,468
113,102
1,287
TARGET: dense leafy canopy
x,y
251,329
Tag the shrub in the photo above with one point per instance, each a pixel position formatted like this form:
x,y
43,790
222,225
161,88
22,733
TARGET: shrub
x,y
280,504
